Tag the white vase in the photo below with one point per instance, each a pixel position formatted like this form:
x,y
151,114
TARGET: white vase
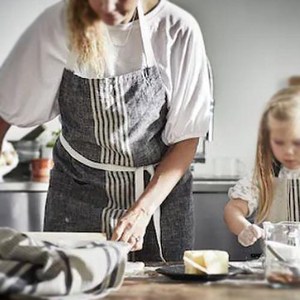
x,y
46,152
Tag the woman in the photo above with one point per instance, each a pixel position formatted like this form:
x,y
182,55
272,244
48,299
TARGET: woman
x,y
134,98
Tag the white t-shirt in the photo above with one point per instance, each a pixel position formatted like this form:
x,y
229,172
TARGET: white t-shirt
x,y
247,190
31,75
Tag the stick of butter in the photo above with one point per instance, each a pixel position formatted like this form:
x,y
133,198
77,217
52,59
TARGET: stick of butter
x,y
214,261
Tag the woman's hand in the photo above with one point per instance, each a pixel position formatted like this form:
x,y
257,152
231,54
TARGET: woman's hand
x,y
131,227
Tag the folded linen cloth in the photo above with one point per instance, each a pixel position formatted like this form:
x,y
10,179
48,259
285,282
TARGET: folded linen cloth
x,y
41,268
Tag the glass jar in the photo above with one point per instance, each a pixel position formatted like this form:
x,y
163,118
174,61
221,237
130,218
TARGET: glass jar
x,y
282,253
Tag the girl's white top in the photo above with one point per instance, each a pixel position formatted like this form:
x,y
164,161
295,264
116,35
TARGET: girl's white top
x,y
31,75
247,190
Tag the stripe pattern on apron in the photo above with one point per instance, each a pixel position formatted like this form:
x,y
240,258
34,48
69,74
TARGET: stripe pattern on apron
x,y
111,133
286,201
293,203
111,124
119,188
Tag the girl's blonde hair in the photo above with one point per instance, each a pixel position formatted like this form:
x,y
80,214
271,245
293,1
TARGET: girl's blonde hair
x,y
283,106
86,38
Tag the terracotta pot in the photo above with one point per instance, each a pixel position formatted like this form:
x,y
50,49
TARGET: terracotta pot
x,y
40,169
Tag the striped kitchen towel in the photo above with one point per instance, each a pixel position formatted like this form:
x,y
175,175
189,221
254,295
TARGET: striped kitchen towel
x,y
43,269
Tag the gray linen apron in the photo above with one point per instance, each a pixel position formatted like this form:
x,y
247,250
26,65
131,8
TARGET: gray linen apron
x,y
106,155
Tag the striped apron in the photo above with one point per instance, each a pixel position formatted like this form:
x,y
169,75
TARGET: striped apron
x,y
109,147
286,201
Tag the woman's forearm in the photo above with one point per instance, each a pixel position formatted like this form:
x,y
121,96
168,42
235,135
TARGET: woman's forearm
x,y
169,171
4,126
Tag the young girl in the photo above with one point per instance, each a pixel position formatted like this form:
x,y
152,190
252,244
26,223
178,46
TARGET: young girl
x,y
274,191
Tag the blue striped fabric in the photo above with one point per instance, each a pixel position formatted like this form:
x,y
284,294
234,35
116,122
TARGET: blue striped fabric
x,y
38,268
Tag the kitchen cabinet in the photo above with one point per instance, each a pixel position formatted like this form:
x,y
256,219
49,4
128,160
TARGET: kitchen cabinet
x,y
22,205
210,229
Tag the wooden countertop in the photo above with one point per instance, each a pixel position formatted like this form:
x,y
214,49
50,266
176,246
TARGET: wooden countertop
x,y
240,286
159,287
133,289
147,289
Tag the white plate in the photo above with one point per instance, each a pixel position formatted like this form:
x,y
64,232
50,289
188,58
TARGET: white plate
x,y
177,272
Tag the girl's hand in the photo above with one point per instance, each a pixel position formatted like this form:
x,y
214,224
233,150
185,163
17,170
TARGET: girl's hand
x,y
250,235
131,228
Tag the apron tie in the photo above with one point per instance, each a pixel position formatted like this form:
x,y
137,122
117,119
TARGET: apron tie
x,y
139,182
139,188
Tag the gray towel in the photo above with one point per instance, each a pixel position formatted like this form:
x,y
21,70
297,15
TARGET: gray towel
x,y
44,269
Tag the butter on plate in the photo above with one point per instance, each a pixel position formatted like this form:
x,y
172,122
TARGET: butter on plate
x,y
213,261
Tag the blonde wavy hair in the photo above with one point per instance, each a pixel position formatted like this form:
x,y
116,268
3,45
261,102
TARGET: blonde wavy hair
x,y
283,106
86,36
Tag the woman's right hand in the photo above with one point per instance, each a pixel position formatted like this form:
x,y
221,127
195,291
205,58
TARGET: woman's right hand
x,y
249,235
131,228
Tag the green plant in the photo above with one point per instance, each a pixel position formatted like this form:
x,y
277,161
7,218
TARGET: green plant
x,y
55,134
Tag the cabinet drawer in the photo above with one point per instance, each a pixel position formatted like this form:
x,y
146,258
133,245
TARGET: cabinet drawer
x,y
23,211
211,231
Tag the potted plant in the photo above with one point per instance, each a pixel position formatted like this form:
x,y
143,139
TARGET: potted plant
x,y
46,149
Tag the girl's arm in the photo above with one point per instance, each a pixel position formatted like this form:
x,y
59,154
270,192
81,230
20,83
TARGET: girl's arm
x,y
171,168
235,213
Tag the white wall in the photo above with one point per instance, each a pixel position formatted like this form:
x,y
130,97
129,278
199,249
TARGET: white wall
x,y
253,46
15,17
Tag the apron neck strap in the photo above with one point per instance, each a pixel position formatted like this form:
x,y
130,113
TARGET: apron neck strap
x,y
145,35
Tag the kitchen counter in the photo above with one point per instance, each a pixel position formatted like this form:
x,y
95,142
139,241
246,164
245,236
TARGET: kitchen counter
x,y
200,185
175,290
155,286
143,290
245,286
23,186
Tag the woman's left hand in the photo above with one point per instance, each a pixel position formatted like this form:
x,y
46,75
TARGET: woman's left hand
x,y
131,228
